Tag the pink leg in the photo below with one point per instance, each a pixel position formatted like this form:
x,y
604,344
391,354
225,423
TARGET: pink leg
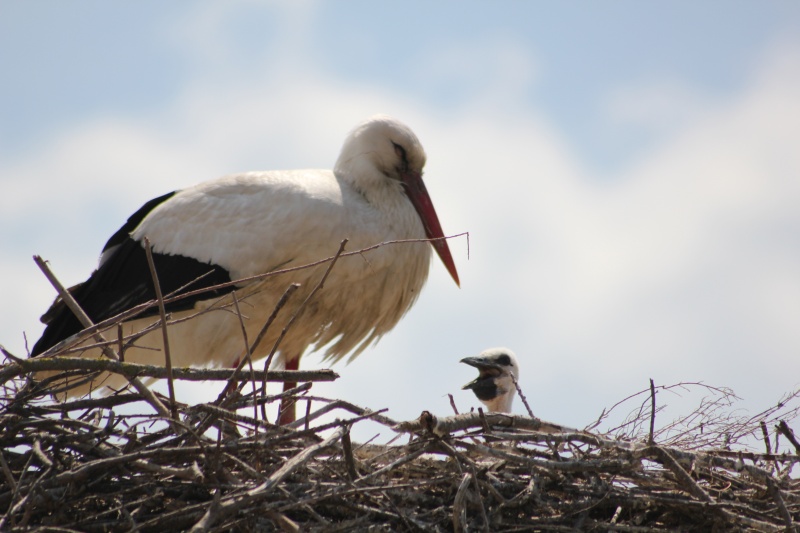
x,y
287,409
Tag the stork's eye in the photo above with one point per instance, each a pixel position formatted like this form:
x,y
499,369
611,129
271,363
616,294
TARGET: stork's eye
x,y
400,151
403,166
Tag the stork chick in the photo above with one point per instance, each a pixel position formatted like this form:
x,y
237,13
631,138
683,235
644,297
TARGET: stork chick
x,y
494,387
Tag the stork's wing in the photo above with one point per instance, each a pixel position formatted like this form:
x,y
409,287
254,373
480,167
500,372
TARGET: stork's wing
x,y
123,280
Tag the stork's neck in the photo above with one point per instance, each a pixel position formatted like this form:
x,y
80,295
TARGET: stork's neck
x,y
501,403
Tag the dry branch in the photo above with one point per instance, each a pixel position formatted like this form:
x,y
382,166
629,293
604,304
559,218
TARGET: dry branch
x,y
164,329
14,370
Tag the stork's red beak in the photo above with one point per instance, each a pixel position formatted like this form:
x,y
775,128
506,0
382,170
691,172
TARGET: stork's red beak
x,y
418,194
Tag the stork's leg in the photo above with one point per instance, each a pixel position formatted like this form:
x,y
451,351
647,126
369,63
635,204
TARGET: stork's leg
x,y
287,414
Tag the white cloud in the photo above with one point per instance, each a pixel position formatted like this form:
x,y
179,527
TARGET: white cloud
x,y
492,71
656,105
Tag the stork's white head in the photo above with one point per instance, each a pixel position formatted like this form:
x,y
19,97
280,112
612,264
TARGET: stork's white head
x,y
383,160
494,387
380,147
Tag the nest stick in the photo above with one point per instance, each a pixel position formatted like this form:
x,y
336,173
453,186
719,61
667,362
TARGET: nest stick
x,y
248,357
162,311
650,439
132,370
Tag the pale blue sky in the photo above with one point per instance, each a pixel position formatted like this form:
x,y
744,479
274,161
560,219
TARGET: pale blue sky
x,y
628,171
66,62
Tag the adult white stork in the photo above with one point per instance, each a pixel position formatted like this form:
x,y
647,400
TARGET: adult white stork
x,y
247,224
495,386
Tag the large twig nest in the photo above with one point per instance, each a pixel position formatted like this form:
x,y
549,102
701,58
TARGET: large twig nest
x,y
112,464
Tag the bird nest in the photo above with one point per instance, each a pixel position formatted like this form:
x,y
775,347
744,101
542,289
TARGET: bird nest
x,y
116,463
139,461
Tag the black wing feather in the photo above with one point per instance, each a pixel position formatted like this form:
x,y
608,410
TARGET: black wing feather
x,y
134,220
123,281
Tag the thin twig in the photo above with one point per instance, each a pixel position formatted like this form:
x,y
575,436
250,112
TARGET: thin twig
x,y
650,440
347,448
162,311
521,396
787,432
248,357
453,403
765,434
460,504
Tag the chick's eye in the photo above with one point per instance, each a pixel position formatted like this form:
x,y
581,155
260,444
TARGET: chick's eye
x,y
504,360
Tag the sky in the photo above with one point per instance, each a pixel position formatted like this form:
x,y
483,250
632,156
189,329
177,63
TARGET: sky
x,y
628,173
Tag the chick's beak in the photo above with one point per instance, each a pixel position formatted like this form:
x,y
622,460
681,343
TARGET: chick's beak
x,y
487,369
